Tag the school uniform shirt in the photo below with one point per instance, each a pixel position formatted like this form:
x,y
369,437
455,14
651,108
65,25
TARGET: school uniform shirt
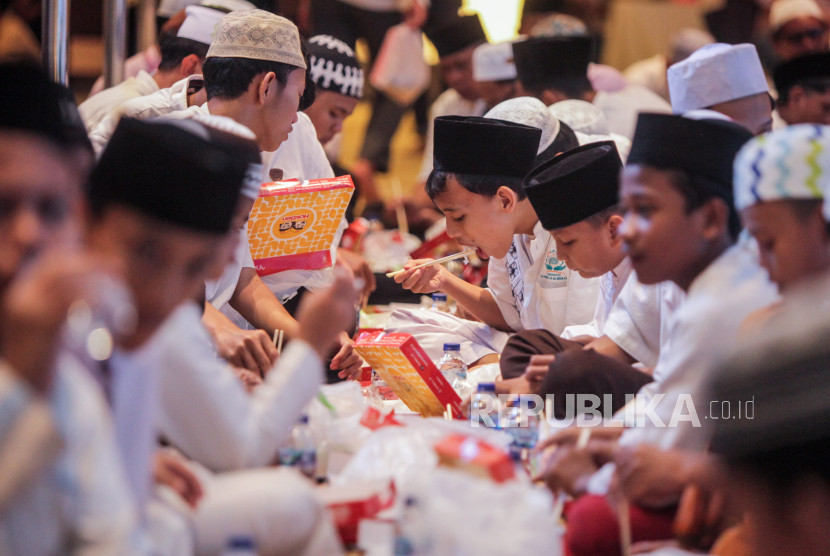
x,y
448,103
622,107
534,289
96,107
207,414
639,319
701,331
610,285
78,502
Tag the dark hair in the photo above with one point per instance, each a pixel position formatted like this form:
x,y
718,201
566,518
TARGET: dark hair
x,y
782,469
817,85
697,190
600,218
480,184
572,87
229,78
175,49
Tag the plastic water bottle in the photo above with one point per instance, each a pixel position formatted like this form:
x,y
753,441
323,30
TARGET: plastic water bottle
x,y
522,422
484,406
439,303
301,451
453,367
240,545
411,537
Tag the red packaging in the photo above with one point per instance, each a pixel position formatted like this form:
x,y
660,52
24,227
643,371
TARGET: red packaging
x,y
351,503
475,456
405,367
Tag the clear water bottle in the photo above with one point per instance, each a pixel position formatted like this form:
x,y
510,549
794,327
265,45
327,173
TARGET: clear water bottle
x,y
439,303
300,451
240,545
484,406
452,366
522,422
410,535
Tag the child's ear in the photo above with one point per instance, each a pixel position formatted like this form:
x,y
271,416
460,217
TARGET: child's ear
x,y
262,87
613,225
507,198
715,214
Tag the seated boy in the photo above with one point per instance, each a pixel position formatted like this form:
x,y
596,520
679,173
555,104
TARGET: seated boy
x,y
477,184
575,196
679,225
163,199
787,217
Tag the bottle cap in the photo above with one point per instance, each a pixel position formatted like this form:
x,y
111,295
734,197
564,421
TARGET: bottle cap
x,y
439,297
241,542
452,347
303,419
487,387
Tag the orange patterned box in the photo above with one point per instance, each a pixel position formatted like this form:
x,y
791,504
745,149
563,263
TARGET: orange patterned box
x,y
293,224
405,367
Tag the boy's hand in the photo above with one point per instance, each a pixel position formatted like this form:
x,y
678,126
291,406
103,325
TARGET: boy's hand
x,y
422,280
347,359
324,314
249,349
171,469
35,308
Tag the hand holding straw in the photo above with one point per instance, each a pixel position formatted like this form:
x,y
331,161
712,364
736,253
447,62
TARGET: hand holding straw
x,y
448,258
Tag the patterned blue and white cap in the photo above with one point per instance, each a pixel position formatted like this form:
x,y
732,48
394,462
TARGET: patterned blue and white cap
x,y
790,163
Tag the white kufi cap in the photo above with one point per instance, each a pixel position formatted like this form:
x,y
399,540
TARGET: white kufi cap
x,y
713,74
200,24
528,111
494,62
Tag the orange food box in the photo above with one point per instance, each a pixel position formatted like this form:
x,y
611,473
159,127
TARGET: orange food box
x,y
475,456
406,368
293,224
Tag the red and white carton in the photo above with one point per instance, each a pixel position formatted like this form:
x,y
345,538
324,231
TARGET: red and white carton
x,y
475,456
407,369
293,224
351,503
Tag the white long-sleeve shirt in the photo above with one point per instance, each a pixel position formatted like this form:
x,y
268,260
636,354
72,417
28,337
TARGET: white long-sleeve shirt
x,y
80,502
97,107
206,412
700,332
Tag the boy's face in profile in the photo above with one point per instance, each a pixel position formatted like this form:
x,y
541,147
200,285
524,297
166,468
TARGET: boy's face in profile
x,y
476,220
662,238
588,248
40,201
163,264
792,242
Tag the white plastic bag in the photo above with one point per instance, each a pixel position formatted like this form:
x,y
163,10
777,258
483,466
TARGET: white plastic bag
x,y
400,71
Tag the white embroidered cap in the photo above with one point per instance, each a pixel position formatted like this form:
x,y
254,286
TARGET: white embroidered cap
x,y
782,12
258,35
494,62
580,116
790,163
528,111
199,24
713,74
